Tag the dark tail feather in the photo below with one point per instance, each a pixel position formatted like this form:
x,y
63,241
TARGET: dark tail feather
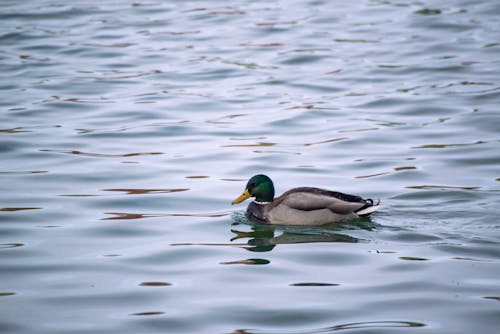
x,y
368,208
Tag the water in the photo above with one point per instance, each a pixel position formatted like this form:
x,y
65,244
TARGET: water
x,y
127,128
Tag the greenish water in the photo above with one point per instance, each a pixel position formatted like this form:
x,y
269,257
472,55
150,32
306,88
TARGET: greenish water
x,y
127,128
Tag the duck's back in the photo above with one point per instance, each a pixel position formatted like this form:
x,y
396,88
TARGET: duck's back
x,y
324,192
307,199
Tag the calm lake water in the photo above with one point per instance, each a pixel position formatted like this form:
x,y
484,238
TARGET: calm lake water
x,y
128,127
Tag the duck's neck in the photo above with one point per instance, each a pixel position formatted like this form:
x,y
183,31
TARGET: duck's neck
x,y
266,198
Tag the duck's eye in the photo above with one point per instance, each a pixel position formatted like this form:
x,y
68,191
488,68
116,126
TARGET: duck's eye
x,y
251,185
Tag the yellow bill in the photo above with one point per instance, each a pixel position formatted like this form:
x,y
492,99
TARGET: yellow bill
x,y
242,197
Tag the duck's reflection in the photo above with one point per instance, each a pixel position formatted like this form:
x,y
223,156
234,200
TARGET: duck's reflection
x,y
263,238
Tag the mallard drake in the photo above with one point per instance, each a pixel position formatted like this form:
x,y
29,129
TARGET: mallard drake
x,y
302,206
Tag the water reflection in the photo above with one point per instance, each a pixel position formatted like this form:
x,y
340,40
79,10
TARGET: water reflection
x,y
248,262
132,215
155,284
5,294
12,245
370,325
493,298
102,155
264,238
148,313
18,209
146,191
315,284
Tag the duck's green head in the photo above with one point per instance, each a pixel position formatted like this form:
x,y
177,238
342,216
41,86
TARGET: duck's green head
x,y
259,186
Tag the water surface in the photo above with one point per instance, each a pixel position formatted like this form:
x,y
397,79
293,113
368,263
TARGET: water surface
x,y
127,128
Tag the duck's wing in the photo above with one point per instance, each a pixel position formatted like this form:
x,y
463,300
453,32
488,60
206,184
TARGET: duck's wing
x,y
310,199
285,215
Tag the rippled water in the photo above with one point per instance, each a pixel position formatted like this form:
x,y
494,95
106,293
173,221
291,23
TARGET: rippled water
x,y
126,129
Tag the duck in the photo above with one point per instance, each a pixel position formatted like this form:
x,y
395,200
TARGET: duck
x,y
307,206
